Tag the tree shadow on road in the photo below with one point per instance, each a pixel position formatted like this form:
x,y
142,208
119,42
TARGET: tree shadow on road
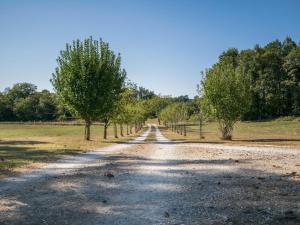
x,y
151,191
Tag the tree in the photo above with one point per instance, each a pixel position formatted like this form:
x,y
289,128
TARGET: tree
x,y
88,80
113,82
6,110
26,109
292,67
47,108
175,114
226,94
155,105
144,93
20,91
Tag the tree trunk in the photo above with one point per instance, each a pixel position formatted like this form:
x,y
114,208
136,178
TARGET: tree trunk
x,y
121,130
127,129
184,130
200,128
226,130
105,130
115,130
87,130
180,129
130,129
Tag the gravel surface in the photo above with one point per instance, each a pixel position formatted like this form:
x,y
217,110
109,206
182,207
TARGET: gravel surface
x,y
160,182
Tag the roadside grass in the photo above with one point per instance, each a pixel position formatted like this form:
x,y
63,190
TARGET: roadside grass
x,y
25,146
276,132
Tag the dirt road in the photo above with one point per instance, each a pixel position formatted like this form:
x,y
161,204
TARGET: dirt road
x,y
159,182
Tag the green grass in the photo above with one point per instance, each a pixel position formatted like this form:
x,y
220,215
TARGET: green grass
x,y
29,145
276,132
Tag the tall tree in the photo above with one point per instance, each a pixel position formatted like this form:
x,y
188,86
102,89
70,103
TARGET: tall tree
x,y
88,79
226,94
20,91
112,85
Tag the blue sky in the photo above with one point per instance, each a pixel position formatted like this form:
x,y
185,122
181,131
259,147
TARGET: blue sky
x,y
164,43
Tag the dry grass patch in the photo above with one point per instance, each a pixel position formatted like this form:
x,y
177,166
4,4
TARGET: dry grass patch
x,y
29,146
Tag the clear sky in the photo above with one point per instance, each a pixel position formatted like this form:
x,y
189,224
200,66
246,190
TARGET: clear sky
x,y
164,43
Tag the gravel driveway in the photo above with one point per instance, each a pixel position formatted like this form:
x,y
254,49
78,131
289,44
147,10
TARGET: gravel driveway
x,y
160,182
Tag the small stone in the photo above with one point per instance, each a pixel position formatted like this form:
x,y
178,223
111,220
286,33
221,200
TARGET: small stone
x,y
109,174
104,201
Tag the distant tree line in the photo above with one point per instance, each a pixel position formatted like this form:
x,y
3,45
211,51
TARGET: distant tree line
x,y
274,74
22,102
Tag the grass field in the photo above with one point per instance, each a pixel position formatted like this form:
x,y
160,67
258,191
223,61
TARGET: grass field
x,y
26,146
271,133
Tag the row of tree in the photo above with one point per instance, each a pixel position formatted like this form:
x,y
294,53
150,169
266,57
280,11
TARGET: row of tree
x,y
90,83
253,84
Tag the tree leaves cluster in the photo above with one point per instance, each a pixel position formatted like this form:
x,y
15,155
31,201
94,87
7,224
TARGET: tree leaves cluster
x,y
175,116
274,72
23,102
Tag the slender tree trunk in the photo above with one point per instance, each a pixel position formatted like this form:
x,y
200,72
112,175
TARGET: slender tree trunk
x,y
200,128
115,130
130,130
127,129
105,129
121,130
184,130
87,130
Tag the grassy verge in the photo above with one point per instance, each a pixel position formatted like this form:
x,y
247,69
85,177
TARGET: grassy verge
x,y
28,146
276,132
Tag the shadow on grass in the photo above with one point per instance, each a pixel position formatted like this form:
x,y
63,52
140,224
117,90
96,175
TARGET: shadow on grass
x,y
137,196
270,140
12,156
21,142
